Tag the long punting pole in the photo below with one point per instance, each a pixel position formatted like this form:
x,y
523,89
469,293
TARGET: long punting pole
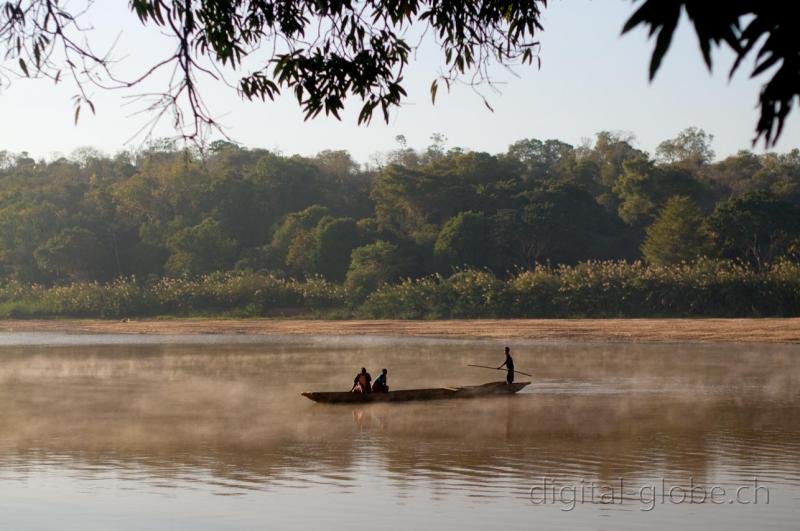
x,y
496,369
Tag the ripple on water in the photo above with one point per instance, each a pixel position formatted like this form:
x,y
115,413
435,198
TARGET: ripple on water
x,y
215,432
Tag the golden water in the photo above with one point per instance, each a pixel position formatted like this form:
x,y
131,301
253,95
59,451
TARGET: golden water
x,y
116,432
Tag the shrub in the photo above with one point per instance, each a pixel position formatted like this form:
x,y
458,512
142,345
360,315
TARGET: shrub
x,y
592,289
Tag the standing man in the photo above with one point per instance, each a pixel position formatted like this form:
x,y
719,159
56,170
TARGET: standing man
x,y
509,363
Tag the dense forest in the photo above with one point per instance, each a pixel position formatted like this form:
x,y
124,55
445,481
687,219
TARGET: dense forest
x,y
165,216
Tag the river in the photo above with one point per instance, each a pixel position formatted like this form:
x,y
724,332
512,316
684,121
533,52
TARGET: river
x,y
204,432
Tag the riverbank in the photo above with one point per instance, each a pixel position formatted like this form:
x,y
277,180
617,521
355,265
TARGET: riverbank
x,y
772,330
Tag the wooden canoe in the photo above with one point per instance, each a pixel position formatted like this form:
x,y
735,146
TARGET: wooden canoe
x,y
407,395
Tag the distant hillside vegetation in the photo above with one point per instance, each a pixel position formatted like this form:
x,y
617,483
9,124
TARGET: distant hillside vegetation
x,y
165,212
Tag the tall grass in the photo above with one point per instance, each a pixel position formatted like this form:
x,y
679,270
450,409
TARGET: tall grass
x,y
598,289
591,289
240,294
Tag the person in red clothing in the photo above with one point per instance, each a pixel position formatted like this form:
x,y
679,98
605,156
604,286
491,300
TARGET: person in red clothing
x,y
362,382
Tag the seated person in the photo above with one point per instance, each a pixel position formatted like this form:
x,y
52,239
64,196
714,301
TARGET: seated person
x,y
362,383
380,385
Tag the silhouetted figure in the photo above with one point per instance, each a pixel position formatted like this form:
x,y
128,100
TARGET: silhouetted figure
x,y
509,363
362,382
380,385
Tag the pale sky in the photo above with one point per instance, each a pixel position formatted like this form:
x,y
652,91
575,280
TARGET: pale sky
x,y
591,79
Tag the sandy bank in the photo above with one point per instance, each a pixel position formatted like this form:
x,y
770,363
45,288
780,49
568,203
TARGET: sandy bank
x,y
645,330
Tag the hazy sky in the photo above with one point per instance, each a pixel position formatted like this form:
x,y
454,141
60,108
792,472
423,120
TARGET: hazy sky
x,y
591,80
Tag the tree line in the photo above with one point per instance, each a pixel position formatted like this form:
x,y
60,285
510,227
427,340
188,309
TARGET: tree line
x,y
410,213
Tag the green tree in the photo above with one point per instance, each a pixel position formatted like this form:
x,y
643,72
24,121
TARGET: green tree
x,y
780,175
756,228
335,239
644,187
732,175
302,255
678,234
26,224
465,240
202,248
162,210
74,254
775,173
416,202
543,162
560,225
692,148
372,266
294,225
344,186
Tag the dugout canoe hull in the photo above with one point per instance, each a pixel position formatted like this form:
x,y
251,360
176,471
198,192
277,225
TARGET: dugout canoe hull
x,y
410,395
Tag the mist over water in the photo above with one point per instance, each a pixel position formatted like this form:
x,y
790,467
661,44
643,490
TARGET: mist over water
x,y
131,432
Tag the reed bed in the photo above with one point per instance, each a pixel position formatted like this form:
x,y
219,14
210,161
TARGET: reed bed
x,y
705,288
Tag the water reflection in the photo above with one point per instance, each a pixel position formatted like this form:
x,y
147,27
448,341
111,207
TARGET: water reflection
x,y
227,419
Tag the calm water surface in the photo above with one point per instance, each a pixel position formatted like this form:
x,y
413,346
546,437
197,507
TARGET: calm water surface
x,y
142,432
